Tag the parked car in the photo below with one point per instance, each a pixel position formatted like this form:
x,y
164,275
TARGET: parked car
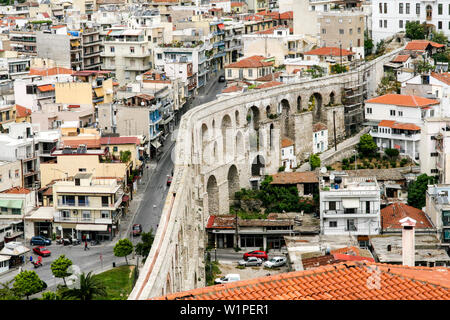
x,y
275,262
222,79
231,277
42,251
169,180
40,241
257,253
137,229
251,261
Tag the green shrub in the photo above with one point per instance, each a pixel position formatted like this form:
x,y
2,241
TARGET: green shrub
x,y
393,164
281,169
392,153
403,162
345,161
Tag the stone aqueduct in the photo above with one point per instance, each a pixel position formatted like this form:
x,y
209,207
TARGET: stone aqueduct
x,y
221,147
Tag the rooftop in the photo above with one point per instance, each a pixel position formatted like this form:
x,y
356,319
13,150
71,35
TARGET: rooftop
x,y
343,281
421,45
329,51
294,177
251,62
391,215
403,100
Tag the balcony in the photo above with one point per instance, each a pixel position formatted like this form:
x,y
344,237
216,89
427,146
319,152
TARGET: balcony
x,y
341,213
75,219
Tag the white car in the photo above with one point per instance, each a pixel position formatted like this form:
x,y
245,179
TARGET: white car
x,y
251,261
231,277
275,262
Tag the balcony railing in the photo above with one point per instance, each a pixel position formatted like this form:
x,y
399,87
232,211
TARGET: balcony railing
x,y
59,218
342,212
351,228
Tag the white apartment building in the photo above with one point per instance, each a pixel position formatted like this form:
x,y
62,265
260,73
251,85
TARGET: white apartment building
x,y
33,92
288,158
396,121
390,17
320,138
349,205
438,210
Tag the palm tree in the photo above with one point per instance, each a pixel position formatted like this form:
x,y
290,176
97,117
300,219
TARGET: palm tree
x,y
88,288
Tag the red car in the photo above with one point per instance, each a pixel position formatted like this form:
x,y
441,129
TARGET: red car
x,y
42,251
169,180
137,229
258,254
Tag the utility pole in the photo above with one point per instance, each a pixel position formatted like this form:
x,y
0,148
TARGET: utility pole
x,y
334,129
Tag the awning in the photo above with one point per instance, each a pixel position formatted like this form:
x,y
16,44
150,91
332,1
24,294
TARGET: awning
x,y
45,88
99,92
156,144
393,186
350,203
221,26
91,227
13,204
75,43
396,146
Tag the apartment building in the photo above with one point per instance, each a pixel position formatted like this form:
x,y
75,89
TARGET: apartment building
x,y
349,205
86,207
54,115
438,210
343,29
390,17
127,53
117,145
396,121
255,6
7,115
233,40
23,41
320,137
92,48
34,92
10,174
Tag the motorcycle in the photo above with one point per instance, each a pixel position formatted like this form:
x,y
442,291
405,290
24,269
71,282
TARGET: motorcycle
x,y
94,242
68,241
37,263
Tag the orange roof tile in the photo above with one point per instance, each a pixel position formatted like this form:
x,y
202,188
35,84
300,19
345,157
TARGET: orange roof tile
x,y
50,71
401,58
398,125
329,51
17,190
75,143
22,112
342,281
237,4
391,215
319,127
294,177
232,89
46,87
250,62
420,45
285,142
443,77
269,84
403,100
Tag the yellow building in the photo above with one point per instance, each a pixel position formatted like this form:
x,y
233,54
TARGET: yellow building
x,y
22,114
117,145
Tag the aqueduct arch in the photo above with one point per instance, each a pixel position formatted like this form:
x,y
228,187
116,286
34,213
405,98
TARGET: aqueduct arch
x,y
213,195
233,182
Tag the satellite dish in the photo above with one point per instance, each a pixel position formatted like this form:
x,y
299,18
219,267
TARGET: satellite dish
x,y
323,170
138,78
331,176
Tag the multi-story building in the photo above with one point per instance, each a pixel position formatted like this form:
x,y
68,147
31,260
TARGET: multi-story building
x,y
87,207
10,174
390,17
320,137
255,6
92,49
396,121
438,210
248,69
349,205
23,41
233,40
7,115
34,92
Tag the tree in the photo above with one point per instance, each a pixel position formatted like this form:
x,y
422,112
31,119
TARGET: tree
x,y
89,287
125,156
314,161
392,153
381,47
439,37
415,30
27,283
49,295
8,293
368,44
60,266
417,191
123,248
338,68
423,66
366,145
316,71
143,247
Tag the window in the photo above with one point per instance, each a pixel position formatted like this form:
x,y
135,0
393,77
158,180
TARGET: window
x,y
159,56
4,209
111,49
333,224
418,8
351,225
332,205
81,169
407,8
400,113
433,154
86,215
359,30
105,201
392,112
367,206
16,211
341,31
440,8
400,23
115,149
105,214
400,8
385,7
369,110
230,72
324,31
381,7
434,171
440,25
250,72
385,23
350,31
131,49
82,201
17,173
381,23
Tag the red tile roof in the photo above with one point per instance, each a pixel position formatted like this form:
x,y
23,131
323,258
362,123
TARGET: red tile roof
x,y
232,89
250,62
294,177
49,71
392,214
119,140
401,58
403,100
329,51
46,87
17,190
319,127
75,143
350,280
285,142
443,77
420,45
22,112
269,84
222,222
349,257
398,125
237,4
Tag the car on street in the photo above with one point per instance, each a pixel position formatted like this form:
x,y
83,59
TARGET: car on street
x,y
251,261
222,79
257,253
40,241
42,251
169,180
275,262
231,277
137,229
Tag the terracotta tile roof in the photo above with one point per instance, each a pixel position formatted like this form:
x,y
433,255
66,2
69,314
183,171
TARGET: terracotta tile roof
x,y
17,190
403,100
74,143
347,250
294,177
287,15
49,71
401,58
348,280
269,77
314,262
285,142
232,89
420,45
237,4
329,51
46,87
222,222
119,140
444,77
250,62
350,257
253,18
319,127
22,112
269,84
398,125
391,215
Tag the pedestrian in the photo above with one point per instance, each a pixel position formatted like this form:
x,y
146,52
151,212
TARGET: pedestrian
x,y
86,246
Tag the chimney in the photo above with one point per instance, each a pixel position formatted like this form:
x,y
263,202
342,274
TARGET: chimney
x,y
408,241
